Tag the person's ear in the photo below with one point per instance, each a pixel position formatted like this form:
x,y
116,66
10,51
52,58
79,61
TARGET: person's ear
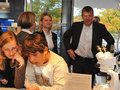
x,y
46,50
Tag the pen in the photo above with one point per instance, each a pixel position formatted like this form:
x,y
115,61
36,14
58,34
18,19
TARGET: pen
x,y
71,69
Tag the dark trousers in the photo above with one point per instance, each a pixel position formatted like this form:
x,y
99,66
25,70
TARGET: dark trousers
x,y
84,66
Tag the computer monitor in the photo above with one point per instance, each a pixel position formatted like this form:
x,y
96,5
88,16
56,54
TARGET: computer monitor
x,y
5,23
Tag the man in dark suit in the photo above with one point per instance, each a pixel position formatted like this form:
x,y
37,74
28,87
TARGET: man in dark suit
x,y
81,39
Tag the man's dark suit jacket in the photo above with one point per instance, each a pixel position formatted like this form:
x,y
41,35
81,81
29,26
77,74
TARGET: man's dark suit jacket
x,y
54,38
99,33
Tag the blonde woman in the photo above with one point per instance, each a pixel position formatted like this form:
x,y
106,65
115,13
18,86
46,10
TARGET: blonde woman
x,y
12,65
45,25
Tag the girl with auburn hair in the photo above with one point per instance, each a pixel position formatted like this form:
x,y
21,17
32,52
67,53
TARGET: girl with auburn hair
x,y
12,65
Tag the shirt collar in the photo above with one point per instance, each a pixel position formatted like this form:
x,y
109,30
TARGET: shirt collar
x,y
46,33
27,31
87,26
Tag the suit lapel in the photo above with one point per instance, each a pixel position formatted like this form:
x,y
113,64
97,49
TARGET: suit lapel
x,y
93,38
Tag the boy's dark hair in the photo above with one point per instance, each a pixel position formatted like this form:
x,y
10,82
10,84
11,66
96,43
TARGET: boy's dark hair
x,y
33,43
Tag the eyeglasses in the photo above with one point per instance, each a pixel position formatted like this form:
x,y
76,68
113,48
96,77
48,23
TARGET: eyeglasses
x,y
13,49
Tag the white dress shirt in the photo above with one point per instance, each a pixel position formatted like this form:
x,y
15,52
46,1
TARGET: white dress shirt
x,y
49,40
85,43
27,31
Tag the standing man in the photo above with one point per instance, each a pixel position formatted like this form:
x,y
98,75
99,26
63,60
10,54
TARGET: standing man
x,y
81,39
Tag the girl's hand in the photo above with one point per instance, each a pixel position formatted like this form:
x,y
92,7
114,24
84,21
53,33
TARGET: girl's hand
x,y
4,81
33,87
18,58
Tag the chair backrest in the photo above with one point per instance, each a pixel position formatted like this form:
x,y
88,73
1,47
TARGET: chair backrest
x,y
75,81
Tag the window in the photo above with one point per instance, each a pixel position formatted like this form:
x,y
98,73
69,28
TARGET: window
x,y
53,7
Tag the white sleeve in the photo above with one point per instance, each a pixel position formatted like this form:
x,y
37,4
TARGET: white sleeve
x,y
29,75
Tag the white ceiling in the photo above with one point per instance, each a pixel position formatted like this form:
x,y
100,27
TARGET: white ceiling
x,y
111,4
